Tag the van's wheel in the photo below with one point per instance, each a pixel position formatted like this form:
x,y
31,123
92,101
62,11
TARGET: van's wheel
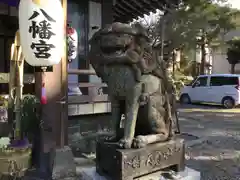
x,y
228,102
185,99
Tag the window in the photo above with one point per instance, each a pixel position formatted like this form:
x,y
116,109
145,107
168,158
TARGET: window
x,y
3,8
13,11
192,82
202,81
7,48
2,55
221,80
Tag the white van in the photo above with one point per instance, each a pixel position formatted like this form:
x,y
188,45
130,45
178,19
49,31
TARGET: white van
x,y
213,88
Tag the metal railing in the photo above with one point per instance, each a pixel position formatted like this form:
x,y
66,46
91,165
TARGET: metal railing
x,y
72,99
91,97
27,79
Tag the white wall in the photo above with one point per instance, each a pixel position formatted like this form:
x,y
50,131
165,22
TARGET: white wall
x,y
220,64
95,16
232,34
95,19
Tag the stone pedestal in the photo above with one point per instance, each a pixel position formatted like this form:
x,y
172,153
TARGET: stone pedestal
x,y
129,164
188,174
64,165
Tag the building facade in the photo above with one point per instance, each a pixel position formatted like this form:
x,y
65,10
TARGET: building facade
x,y
220,63
86,16
80,15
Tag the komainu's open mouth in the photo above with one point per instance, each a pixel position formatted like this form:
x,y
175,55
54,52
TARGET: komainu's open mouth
x,y
118,50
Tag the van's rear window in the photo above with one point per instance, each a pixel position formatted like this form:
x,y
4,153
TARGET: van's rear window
x,y
222,80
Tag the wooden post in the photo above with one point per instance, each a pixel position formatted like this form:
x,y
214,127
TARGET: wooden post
x,y
15,85
19,85
107,12
55,115
64,100
11,85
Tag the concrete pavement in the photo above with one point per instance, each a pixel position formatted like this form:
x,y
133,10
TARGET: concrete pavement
x,y
217,151
212,142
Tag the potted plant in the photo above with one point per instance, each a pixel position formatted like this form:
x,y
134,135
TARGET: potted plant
x,y
15,151
14,157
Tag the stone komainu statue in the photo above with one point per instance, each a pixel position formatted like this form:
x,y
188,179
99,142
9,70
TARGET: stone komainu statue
x,y
137,84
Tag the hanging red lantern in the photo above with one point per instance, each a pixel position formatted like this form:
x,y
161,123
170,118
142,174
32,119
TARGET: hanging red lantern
x,y
72,42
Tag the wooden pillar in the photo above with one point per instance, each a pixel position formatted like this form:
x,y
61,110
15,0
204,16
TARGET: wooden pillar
x,y
64,80
107,12
55,112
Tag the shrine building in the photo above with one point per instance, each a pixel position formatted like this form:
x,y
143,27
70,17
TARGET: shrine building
x,y
78,108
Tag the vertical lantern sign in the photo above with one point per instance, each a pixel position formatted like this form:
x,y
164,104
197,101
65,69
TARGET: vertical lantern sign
x,y
41,27
72,42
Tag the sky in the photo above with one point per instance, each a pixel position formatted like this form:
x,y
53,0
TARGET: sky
x,y
235,3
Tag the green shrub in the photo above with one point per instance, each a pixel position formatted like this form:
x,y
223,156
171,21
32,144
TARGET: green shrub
x,y
180,81
30,115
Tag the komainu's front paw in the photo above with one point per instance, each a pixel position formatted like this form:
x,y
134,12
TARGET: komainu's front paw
x,y
139,142
125,143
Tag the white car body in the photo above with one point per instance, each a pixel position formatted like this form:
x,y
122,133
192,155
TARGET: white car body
x,y
213,88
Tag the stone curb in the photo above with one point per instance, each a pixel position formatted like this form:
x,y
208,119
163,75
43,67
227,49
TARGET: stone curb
x,y
202,113
189,117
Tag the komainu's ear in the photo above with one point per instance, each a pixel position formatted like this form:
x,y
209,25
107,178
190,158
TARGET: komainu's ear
x,y
141,31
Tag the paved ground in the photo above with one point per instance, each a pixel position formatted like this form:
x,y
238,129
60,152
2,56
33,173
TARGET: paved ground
x,y
217,153
212,139
208,109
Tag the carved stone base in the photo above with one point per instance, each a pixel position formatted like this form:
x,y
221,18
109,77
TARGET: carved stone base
x,y
128,164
